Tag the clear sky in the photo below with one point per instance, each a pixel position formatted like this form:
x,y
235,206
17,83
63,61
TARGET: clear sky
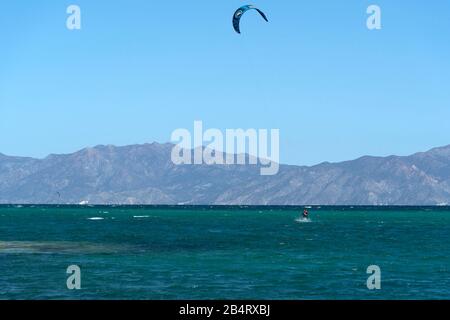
x,y
140,69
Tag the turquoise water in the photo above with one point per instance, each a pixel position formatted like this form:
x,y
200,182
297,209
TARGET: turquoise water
x,y
224,253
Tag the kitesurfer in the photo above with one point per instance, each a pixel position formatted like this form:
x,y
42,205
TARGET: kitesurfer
x,y
305,213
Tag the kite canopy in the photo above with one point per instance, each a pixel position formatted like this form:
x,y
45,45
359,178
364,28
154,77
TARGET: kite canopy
x,y
240,12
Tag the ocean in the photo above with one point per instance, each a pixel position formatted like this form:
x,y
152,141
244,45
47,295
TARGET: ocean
x,y
224,252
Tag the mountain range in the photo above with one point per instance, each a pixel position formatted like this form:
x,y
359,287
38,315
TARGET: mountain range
x,y
145,174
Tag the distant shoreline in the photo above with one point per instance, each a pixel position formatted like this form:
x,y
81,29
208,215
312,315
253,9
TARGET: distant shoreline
x,y
163,206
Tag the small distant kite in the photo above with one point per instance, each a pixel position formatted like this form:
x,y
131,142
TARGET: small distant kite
x,y
240,12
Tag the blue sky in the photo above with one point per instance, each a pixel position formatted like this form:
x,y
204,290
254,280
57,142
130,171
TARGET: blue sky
x,y
140,69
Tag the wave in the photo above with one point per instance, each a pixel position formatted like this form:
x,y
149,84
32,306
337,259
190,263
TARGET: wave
x,y
303,220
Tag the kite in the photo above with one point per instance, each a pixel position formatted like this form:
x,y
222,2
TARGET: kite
x,y
240,12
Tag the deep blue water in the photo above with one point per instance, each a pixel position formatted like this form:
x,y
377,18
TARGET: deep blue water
x,y
224,253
